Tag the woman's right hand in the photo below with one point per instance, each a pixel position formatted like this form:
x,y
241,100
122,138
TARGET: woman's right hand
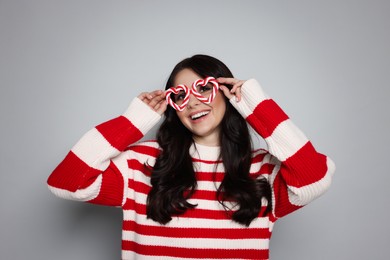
x,y
155,100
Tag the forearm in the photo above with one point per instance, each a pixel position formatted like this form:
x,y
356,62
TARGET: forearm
x,y
302,173
81,174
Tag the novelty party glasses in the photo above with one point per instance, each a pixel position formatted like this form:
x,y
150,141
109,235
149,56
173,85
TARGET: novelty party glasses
x,y
203,89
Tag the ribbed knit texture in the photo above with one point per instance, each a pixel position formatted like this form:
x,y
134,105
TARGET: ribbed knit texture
x,y
107,167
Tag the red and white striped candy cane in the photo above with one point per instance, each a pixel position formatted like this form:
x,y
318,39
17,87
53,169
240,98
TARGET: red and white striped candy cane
x,y
176,90
204,82
193,91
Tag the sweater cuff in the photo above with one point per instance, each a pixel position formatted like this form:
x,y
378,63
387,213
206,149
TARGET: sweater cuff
x,y
253,94
241,107
141,115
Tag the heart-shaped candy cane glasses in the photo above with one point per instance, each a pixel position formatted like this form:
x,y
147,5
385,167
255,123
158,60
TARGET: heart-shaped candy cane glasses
x,y
184,89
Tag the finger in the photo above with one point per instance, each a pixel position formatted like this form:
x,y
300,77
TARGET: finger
x,y
237,85
234,89
226,91
238,94
156,106
156,99
156,92
225,80
161,107
143,95
148,96
229,81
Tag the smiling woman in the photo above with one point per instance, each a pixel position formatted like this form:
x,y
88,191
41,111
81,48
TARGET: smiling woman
x,y
203,120
199,191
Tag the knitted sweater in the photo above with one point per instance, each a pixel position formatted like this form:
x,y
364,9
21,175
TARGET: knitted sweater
x,y
107,167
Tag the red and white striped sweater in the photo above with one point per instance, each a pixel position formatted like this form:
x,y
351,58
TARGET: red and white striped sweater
x,y
107,167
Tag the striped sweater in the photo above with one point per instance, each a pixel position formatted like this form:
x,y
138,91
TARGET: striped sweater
x,y
107,167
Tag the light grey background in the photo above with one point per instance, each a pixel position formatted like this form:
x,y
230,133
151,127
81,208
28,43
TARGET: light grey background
x,y
66,66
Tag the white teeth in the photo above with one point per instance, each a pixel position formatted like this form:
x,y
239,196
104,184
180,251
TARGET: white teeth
x,y
193,117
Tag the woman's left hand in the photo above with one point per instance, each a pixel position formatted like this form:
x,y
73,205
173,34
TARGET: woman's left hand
x,y
234,91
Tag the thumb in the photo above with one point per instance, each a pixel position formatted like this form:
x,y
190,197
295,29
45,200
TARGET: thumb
x,y
161,107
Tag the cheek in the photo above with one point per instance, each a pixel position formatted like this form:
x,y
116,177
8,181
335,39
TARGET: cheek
x,y
181,116
220,103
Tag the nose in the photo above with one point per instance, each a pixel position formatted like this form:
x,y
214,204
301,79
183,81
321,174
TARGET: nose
x,y
193,101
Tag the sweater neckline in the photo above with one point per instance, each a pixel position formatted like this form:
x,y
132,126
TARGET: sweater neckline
x,y
204,152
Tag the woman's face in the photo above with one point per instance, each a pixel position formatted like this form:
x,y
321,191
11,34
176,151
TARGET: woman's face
x,y
203,120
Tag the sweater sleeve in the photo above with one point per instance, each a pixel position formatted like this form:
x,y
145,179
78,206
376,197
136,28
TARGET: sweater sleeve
x,y
95,169
299,173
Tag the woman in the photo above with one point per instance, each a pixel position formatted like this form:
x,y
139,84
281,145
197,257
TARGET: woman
x,y
199,191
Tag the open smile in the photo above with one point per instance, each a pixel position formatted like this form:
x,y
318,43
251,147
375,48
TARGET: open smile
x,y
197,116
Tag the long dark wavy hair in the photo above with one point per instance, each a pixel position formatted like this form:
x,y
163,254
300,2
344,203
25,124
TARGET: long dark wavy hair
x,y
173,178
